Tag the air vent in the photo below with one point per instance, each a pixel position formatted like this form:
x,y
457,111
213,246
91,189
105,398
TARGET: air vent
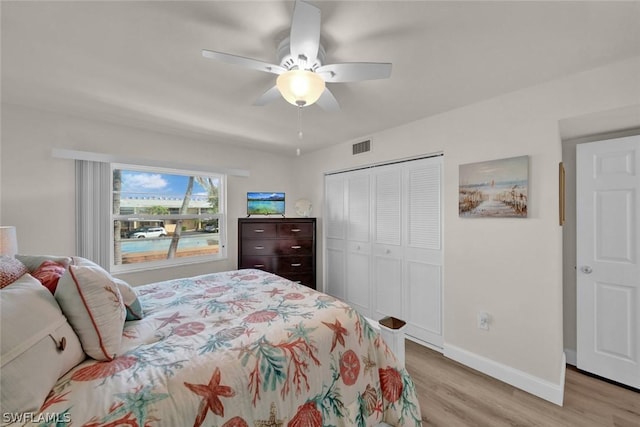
x,y
362,147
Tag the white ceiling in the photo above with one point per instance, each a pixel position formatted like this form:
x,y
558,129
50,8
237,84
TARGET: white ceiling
x,y
139,63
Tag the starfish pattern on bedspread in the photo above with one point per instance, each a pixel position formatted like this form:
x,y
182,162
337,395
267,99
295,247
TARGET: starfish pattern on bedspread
x,y
210,393
174,318
338,333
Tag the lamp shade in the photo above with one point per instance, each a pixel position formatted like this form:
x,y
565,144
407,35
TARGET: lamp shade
x,y
300,87
8,240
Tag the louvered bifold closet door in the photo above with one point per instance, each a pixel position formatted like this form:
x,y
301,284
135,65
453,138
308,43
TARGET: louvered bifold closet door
x,y
335,235
387,251
358,245
423,255
383,243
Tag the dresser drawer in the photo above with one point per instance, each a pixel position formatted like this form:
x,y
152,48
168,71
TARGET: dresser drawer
x,y
294,264
294,247
295,229
260,246
266,263
258,230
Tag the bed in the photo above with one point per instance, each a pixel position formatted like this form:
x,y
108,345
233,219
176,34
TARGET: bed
x,y
237,348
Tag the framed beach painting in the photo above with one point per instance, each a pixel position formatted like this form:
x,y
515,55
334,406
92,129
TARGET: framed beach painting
x,y
494,189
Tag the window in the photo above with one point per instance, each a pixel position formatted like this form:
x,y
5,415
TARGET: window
x,y
165,217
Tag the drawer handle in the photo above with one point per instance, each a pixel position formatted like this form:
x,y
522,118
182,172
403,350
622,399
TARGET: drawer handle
x,y
259,230
297,264
296,247
295,230
298,282
258,247
259,265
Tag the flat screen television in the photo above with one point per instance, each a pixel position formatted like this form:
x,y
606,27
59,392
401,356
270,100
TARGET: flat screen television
x,y
265,203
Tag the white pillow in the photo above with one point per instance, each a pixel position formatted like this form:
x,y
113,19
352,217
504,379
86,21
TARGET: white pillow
x,y
93,304
32,354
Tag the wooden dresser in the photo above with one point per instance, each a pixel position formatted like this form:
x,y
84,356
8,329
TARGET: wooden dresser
x,y
284,246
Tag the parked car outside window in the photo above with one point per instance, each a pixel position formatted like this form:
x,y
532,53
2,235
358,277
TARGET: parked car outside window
x,y
211,228
143,232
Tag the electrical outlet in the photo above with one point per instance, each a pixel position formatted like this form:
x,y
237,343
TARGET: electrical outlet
x,y
483,320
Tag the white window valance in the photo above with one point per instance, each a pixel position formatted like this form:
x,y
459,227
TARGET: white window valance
x,y
62,153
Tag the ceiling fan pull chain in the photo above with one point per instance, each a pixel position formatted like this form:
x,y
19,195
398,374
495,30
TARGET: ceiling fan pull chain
x,y
300,122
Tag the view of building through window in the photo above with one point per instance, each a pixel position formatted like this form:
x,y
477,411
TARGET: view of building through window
x,y
161,215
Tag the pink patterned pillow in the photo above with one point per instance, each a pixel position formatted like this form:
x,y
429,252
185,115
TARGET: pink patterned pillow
x,y
48,273
10,270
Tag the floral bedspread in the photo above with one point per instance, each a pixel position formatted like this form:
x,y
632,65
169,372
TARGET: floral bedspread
x,y
239,348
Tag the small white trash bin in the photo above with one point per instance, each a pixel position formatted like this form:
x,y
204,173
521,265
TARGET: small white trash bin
x,y
392,331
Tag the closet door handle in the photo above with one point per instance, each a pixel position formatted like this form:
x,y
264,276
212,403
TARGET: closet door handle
x,y
296,247
297,264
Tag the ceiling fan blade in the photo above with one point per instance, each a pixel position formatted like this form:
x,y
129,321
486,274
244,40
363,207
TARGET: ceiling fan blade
x,y
244,62
327,101
354,71
304,38
268,97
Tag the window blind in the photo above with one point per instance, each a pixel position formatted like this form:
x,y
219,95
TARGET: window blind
x,y
93,205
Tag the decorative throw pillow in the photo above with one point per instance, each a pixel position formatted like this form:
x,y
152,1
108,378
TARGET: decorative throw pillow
x,y
48,273
34,261
93,304
11,269
130,299
38,346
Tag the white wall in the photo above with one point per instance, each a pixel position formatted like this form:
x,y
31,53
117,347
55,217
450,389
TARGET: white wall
x,y
510,268
37,190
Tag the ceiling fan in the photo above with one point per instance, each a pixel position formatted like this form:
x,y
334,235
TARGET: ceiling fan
x,y
301,72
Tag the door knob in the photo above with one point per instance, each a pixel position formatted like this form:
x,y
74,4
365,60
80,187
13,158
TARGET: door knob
x,y
586,269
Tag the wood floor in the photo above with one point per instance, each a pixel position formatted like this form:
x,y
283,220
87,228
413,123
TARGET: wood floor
x,y
452,395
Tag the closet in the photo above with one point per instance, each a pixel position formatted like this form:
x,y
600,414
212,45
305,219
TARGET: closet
x,y
383,243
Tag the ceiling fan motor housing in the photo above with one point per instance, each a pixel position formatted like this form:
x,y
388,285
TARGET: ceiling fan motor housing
x,y
286,60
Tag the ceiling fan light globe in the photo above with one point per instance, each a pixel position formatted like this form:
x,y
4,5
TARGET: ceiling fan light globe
x,y
300,87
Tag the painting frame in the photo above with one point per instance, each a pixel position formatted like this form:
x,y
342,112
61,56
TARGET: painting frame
x,y
494,188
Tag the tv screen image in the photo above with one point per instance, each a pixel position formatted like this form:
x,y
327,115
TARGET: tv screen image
x,y
265,203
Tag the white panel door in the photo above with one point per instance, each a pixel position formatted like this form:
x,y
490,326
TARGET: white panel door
x,y
358,246
423,249
608,285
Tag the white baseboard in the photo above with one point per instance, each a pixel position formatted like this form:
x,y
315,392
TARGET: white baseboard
x,y
425,344
544,389
572,357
